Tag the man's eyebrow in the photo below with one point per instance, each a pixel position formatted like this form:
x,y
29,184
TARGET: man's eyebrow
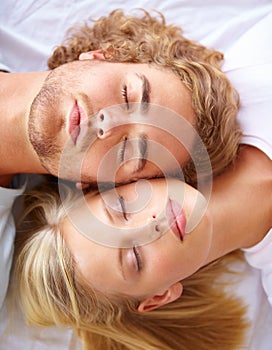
x,y
146,88
143,149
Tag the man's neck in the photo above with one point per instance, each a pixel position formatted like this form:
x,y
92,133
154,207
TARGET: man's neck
x,y
17,91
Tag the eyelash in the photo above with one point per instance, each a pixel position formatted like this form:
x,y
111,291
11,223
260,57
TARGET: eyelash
x,y
138,259
124,95
121,154
122,203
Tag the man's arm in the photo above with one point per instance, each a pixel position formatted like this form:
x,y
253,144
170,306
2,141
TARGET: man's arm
x,y
241,202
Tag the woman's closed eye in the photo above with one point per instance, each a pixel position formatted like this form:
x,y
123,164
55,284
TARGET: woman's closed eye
x,y
115,209
138,259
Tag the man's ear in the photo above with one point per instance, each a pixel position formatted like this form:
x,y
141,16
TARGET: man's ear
x,y
92,55
171,294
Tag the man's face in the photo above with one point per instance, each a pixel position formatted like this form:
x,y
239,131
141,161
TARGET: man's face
x,y
103,121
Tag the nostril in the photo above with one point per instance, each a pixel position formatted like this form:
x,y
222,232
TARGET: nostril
x,y
100,132
157,229
101,117
154,216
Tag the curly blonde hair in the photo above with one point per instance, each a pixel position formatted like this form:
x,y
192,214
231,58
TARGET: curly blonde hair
x,y
52,292
148,39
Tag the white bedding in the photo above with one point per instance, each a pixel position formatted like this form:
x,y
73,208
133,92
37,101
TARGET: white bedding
x,y
29,31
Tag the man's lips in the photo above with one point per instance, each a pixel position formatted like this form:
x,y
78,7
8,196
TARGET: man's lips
x,y
76,119
176,218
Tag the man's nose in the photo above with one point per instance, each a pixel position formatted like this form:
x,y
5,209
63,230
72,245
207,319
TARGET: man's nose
x,y
110,118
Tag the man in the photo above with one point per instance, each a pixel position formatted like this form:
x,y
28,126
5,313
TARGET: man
x,y
50,107
71,116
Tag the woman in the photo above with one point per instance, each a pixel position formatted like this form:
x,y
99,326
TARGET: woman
x,y
126,298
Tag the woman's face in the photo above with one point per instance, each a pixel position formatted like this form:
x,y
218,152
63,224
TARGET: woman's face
x,y
182,245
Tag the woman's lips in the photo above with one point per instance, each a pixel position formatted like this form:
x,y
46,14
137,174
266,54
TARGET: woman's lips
x,y
176,218
74,122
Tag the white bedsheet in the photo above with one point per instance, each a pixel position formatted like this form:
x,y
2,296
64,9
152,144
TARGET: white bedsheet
x,y
29,30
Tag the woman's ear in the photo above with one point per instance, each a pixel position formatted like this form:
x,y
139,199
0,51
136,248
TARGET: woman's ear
x,y
171,294
92,55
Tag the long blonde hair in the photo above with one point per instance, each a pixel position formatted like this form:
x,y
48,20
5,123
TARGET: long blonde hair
x,y
147,39
51,292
